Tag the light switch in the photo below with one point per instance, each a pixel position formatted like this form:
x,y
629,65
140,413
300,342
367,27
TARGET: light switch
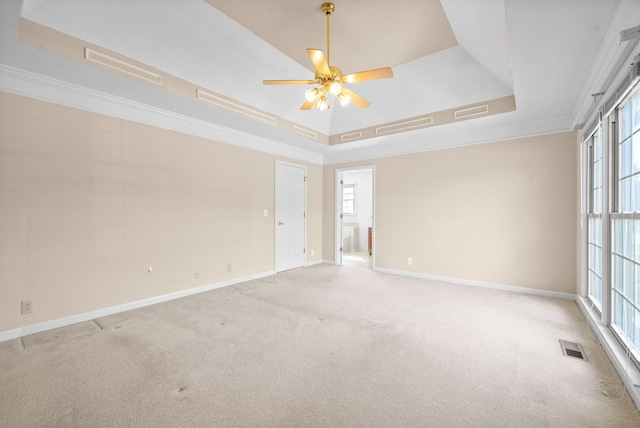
x,y
266,213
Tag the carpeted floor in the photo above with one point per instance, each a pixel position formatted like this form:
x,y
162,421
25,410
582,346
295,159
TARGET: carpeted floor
x,y
324,346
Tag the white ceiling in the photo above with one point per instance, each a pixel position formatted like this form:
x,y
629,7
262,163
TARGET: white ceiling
x,y
542,52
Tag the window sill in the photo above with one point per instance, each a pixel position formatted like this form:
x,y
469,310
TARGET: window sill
x,y
627,371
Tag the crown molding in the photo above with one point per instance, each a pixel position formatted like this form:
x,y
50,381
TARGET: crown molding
x,y
440,139
28,84
610,66
31,85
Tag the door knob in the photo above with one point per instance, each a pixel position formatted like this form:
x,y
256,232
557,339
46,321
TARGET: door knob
x,y
280,223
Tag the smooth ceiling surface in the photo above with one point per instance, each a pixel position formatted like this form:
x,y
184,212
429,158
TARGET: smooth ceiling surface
x,y
364,35
445,54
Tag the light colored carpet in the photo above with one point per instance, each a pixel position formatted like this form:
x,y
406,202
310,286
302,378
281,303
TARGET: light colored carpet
x,y
324,346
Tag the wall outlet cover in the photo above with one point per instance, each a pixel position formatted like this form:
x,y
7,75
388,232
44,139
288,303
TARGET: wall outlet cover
x,y
26,307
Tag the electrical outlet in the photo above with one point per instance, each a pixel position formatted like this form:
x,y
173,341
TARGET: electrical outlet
x,y
26,307
197,274
409,261
312,253
228,268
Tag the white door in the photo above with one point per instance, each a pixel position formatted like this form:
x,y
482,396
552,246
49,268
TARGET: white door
x,y
290,216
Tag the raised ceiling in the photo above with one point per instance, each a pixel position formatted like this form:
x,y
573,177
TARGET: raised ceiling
x,y
379,35
464,71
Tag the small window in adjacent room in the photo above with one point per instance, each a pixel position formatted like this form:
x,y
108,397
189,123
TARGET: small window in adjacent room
x,y
349,199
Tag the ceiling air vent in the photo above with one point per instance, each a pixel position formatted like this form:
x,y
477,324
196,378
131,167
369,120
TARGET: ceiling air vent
x,y
305,132
122,66
471,111
406,125
351,136
235,107
571,349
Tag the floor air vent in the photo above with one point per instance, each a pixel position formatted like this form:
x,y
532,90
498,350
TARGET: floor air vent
x,y
571,349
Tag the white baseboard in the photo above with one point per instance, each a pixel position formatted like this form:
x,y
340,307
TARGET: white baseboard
x,y
627,371
315,262
503,287
328,262
87,316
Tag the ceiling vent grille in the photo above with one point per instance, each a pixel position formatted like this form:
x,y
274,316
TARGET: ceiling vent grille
x,y
471,111
405,126
123,66
305,132
235,107
351,136
572,349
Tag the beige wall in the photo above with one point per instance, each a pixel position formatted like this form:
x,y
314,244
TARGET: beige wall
x,y
503,212
89,202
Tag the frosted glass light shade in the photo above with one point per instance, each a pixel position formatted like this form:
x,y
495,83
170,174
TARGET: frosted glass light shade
x,y
310,95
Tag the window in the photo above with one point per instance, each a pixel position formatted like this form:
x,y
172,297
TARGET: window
x,y
625,223
594,219
612,218
349,199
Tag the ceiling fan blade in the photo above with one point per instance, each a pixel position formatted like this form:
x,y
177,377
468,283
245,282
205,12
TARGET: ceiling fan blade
x,y
288,82
356,99
319,61
361,76
309,104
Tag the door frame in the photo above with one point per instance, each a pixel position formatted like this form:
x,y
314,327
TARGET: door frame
x,y
278,164
338,211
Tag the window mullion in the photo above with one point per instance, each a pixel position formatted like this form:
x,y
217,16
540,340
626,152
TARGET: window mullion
x,y
585,208
609,200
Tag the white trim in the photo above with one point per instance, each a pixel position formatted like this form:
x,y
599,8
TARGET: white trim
x,y
610,64
315,262
503,287
328,262
627,371
32,85
584,254
336,215
87,316
440,138
338,210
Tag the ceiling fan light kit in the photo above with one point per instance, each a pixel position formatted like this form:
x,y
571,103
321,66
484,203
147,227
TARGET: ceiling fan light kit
x,y
329,79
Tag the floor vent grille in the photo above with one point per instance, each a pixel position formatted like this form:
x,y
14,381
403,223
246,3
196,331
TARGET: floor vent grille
x,y
572,349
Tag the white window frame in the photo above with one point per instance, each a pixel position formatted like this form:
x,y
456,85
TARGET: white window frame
x,y
618,347
595,213
355,210
617,214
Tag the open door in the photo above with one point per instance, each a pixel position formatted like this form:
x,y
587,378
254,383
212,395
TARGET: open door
x,y
354,235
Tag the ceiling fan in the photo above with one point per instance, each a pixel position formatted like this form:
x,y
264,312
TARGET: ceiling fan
x,y
330,80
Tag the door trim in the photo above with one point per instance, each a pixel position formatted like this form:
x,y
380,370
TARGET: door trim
x,y
279,163
338,210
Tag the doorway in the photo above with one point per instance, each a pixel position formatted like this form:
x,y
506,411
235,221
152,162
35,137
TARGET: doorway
x,y
290,218
355,231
